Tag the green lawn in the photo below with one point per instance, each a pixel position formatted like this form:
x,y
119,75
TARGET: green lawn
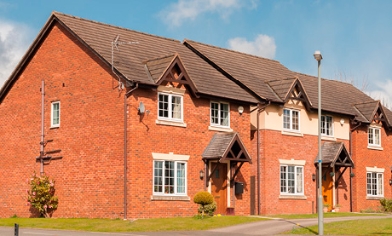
x,y
141,225
354,227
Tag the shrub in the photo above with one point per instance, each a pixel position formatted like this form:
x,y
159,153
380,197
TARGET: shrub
x,y
209,209
41,195
386,204
203,198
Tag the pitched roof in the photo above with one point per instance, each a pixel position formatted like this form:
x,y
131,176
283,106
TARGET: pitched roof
x,y
132,50
335,154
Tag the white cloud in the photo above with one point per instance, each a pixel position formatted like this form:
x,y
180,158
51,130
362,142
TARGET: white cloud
x,y
383,93
263,46
176,13
14,41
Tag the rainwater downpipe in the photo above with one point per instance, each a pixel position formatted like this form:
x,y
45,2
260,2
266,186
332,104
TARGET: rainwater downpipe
x,y
351,169
125,148
260,109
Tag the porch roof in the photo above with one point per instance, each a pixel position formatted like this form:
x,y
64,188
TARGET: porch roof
x,y
335,154
226,146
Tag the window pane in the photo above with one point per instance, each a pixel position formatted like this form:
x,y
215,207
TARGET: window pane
x,y
295,120
158,176
224,114
290,179
163,105
283,186
214,113
377,136
176,107
286,119
55,113
299,179
180,177
169,177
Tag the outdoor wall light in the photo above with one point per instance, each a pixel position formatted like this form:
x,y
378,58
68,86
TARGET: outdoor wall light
x,y
201,174
241,109
390,181
332,174
314,177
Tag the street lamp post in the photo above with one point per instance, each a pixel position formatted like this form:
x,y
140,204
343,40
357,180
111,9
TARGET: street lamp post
x,y
317,55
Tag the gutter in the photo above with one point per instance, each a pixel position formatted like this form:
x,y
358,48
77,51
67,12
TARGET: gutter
x,y
351,154
126,95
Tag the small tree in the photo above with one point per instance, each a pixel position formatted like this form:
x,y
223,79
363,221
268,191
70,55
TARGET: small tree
x,y
41,195
203,198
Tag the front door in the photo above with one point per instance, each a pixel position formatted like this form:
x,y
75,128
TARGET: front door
x,y
219,187
327,188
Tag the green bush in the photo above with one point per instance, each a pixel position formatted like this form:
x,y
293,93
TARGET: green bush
x,y
203,198
386,204
209,209
41,195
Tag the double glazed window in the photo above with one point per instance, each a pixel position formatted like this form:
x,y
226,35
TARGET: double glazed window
x,y
326,125
374,137
170,107
374,183
169,177
291,120
291,180
55,115
219,113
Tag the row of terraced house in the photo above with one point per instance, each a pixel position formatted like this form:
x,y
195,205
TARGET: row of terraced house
x,y
132,125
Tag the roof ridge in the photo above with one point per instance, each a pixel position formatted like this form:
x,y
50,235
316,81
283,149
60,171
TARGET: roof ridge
x,y
114,26
231,50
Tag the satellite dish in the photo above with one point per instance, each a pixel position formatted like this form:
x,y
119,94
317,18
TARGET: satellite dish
x,y
141,108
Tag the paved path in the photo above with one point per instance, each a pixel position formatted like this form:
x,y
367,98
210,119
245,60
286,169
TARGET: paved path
x,y
270,227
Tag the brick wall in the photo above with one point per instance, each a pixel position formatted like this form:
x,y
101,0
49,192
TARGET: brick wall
x,y
89,177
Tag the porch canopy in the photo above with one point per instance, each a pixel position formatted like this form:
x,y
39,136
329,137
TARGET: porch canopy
x,y
335,155
225,147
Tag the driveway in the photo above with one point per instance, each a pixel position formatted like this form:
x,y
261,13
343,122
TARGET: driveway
x,y
270,227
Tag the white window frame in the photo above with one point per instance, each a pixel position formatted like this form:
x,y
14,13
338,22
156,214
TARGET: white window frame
x,y
372,141
163,187
54,124
326,125
219,123
374,182
169,108
298,183
291,123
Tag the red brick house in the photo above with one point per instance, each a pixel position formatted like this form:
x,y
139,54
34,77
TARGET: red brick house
x,y
132,125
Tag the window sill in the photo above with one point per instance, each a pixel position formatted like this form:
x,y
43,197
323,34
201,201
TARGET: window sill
x,y
374,197
216,128
54,127
325,137
375,147
171,123
294,197
292,133
169,198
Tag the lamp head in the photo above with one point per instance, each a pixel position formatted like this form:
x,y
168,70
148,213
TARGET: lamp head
x,y
317,55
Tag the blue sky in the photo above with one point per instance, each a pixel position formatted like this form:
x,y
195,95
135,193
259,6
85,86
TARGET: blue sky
x,y
354,36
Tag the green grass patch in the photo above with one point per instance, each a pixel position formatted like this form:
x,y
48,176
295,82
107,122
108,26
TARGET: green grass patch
x,y
352,227
119,225
326,215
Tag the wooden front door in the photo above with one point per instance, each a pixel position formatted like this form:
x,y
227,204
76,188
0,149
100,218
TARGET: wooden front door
x,y
219,187
327,188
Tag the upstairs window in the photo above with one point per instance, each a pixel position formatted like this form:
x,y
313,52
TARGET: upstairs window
x,y
291,120
219,113
170,107
326,125
55,114
374,136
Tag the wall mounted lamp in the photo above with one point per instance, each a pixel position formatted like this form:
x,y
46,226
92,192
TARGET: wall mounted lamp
x,y
390,181
332,174
141,109
314,177
201,174
241,109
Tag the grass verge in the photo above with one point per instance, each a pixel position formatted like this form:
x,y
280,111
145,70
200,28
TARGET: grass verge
x,y
352,227
141,225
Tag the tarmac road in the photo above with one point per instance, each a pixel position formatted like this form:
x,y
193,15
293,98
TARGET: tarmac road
x,y
270,227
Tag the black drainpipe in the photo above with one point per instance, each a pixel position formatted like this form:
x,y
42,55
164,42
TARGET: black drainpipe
x,y
125,148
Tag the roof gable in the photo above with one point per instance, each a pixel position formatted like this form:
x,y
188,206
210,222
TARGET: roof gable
x,y
170,69
373,112
335,154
